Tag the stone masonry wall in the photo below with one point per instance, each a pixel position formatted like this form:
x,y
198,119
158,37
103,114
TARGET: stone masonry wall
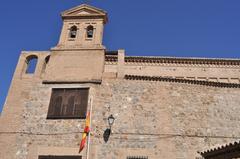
x,y
154,119
171,120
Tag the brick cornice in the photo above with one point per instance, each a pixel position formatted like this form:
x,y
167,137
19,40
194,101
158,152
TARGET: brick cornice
x,y
189,61
187,81
112,59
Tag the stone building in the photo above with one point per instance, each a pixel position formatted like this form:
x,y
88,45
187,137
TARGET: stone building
x,y
164,107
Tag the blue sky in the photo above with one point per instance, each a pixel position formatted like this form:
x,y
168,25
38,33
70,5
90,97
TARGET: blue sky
x,y
196,28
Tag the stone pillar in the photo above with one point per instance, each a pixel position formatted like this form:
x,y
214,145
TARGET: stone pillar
x,y
120,69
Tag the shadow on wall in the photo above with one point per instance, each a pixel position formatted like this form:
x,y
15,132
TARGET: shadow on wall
x,y
106,135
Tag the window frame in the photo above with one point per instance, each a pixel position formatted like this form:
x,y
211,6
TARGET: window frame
x,y
51,107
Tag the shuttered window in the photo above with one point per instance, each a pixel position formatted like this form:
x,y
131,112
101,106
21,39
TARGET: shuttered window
x,y
68,103
60,157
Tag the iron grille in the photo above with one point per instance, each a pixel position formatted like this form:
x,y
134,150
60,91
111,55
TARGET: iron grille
x,y
137,157
60,157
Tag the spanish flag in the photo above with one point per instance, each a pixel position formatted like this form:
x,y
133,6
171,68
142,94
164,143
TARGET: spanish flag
x,y
85,133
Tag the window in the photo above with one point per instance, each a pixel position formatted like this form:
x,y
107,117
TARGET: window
x,y
68,103
60,157
31,64
47,59
90,31
45,63
137,157
73,32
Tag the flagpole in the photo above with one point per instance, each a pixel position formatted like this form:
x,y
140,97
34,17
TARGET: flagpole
x,y
90,123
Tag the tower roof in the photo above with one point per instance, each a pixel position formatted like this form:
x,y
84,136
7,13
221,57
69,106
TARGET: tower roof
x,y
85,11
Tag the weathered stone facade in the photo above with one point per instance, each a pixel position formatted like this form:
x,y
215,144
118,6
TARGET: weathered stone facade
x,y
164,107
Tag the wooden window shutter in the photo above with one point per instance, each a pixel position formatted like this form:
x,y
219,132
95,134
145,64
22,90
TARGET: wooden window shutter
x,y
70,106
55,106
81,103
58,106
68,103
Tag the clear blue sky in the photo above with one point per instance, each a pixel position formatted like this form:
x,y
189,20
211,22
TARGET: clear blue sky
x,y
199,28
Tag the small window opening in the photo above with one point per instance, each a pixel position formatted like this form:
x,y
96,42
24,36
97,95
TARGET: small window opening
x,y
47,59
31,64
45,63
73,32
90,31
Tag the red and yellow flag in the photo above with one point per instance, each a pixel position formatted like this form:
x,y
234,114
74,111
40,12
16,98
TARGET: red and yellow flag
x,y
85,133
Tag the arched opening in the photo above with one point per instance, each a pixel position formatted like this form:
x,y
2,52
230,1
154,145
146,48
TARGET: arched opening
x,y
73,32
45,63
47,59
90,31
31,64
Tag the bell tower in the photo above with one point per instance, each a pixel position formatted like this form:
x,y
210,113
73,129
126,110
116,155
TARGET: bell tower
x,y
82,27
79,54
